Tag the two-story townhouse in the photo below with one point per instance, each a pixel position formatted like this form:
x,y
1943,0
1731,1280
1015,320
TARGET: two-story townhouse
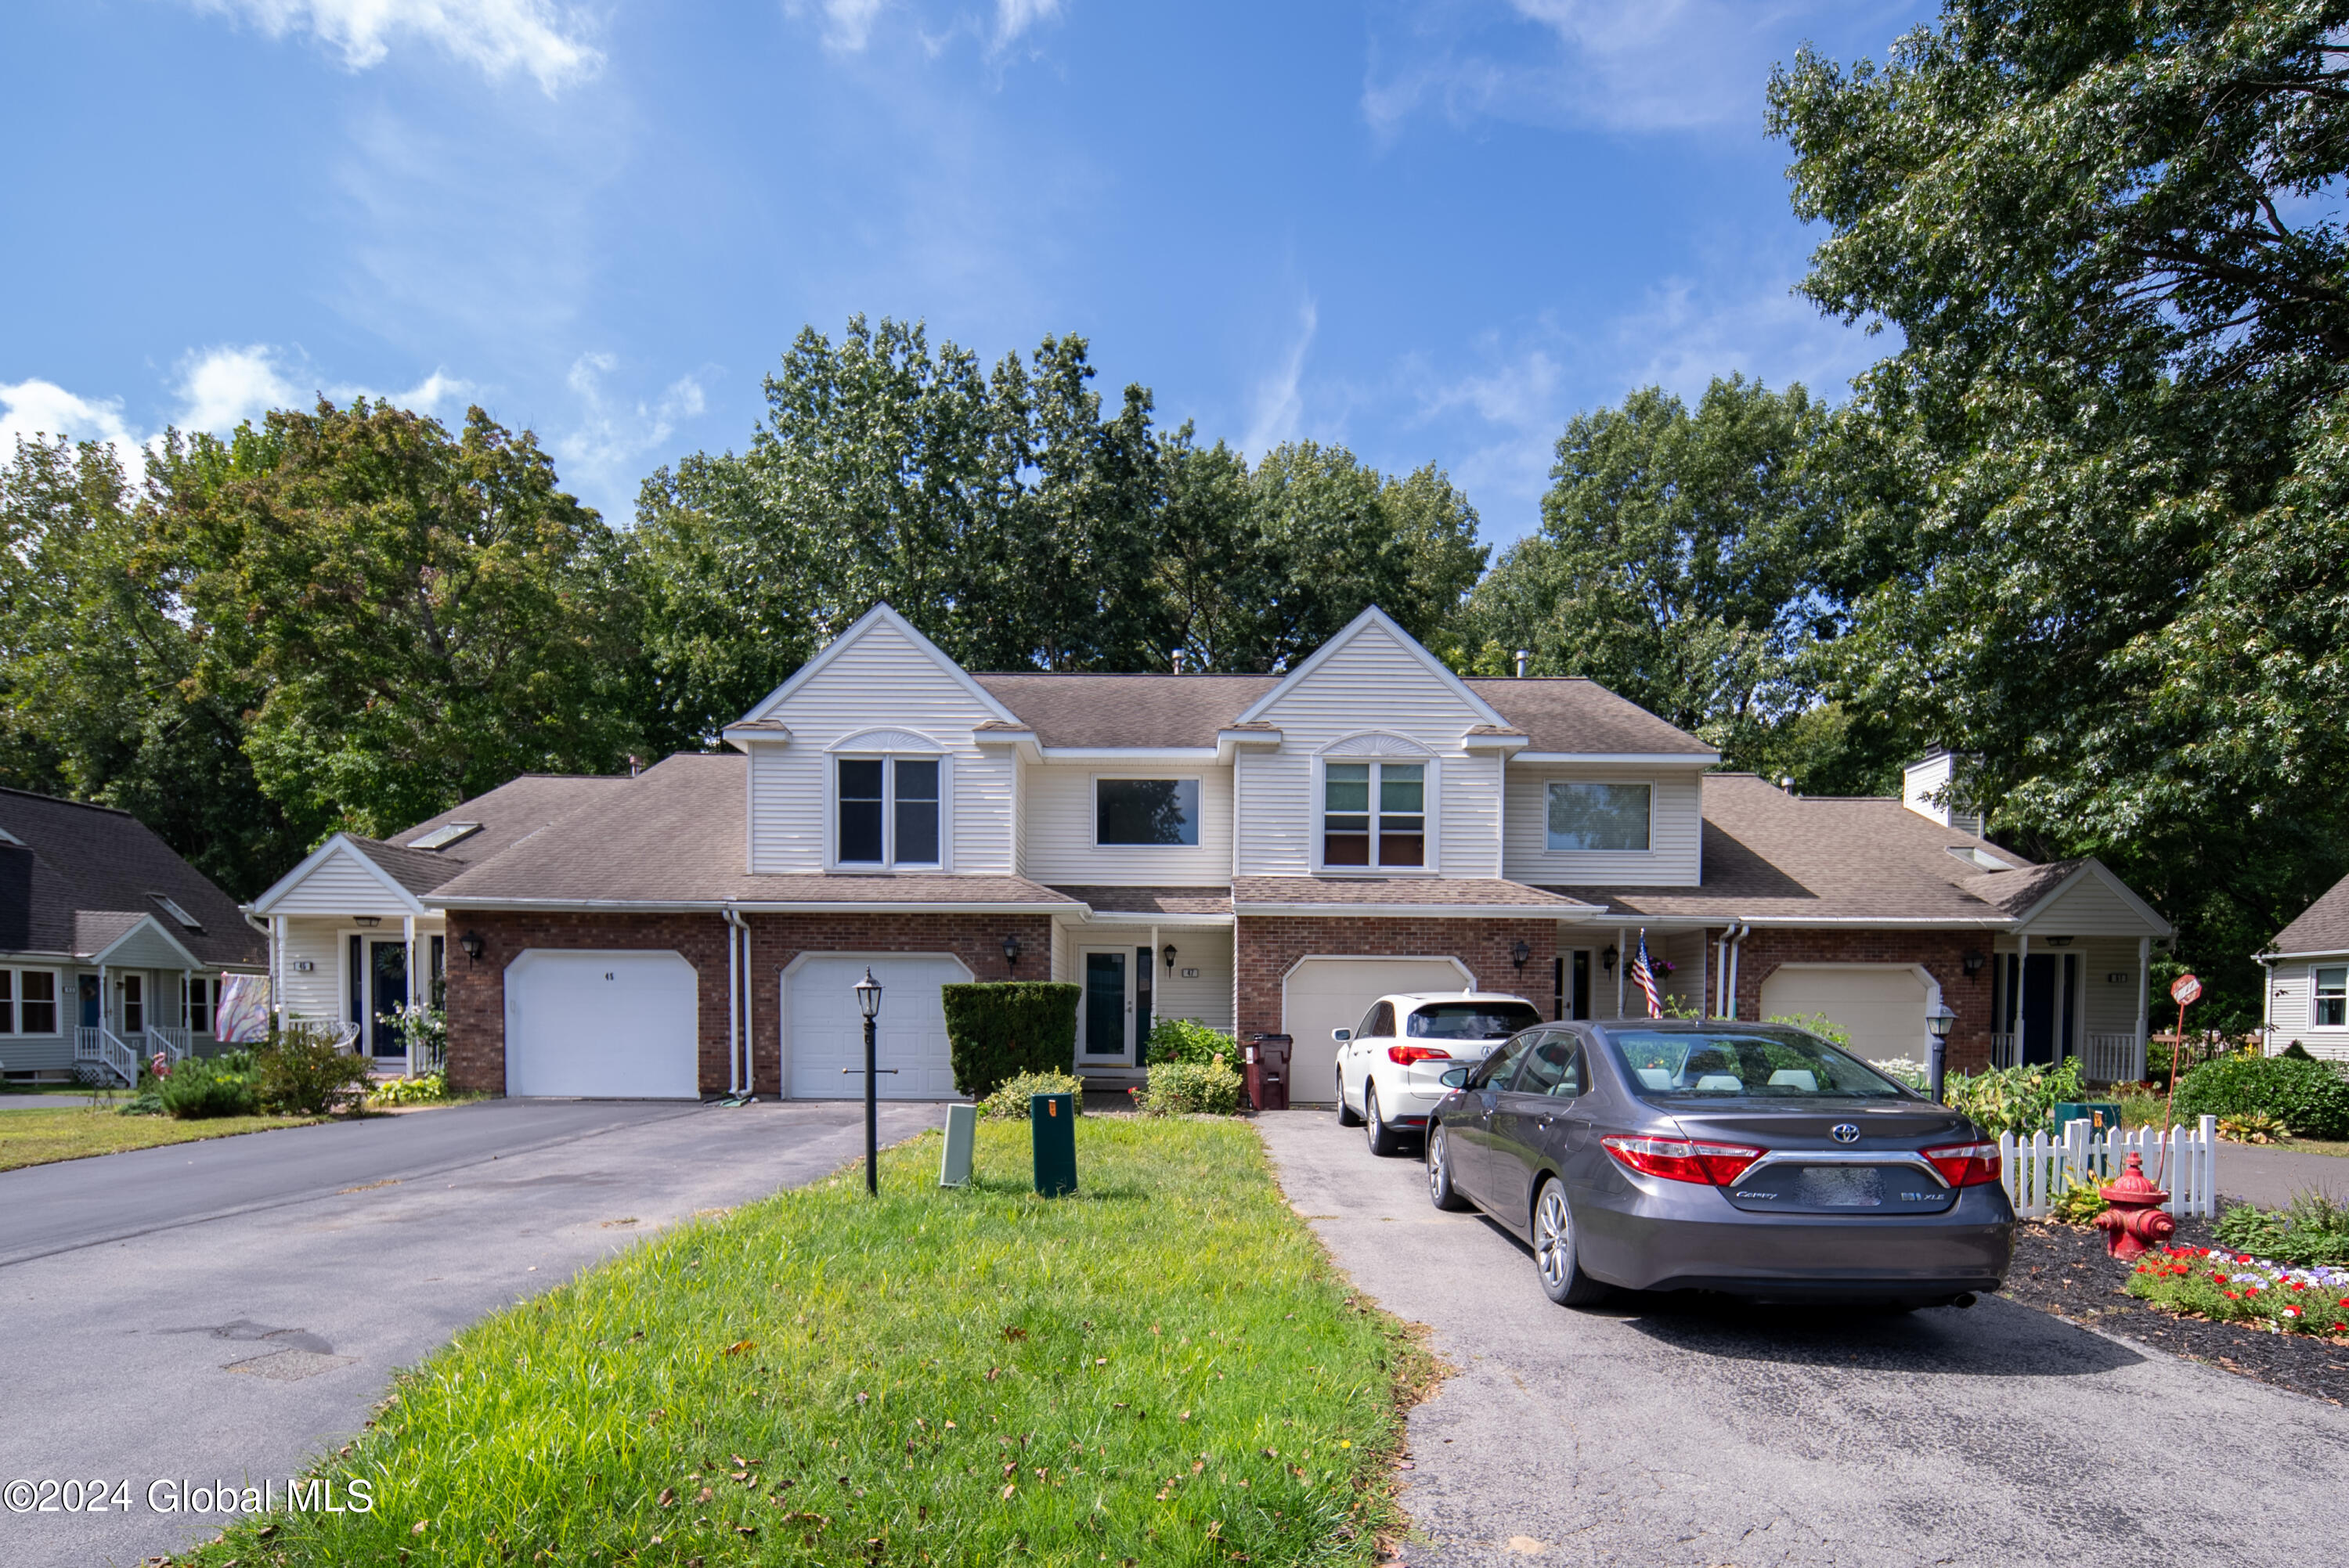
x,y
1262,853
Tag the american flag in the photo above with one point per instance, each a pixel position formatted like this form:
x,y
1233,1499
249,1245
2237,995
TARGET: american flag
x,y
1645,974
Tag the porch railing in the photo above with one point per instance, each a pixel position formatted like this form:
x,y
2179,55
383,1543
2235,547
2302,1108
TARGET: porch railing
x,y
97,1048
345,1035
2113,1058
172,1039
2002,1050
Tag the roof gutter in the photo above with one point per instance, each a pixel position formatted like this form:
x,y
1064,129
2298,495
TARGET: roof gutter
x,y
751,906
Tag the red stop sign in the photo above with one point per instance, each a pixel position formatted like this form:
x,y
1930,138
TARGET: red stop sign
x,y
2184,989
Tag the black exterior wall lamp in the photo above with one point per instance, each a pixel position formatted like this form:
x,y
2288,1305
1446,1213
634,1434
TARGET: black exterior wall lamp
x,y
1011,952
474,945
1607,957
1167,952
1520,955
1974,961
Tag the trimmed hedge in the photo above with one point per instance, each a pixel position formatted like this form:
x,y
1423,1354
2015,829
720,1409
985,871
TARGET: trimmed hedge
x,y
1182,1040
2311,1097
997,1029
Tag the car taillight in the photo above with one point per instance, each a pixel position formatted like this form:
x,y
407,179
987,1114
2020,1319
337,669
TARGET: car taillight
x,y
1966,1164
1677,1159
1406,1055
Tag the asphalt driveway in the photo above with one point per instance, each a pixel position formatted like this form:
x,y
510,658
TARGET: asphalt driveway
x,y
225,1310
1707,1432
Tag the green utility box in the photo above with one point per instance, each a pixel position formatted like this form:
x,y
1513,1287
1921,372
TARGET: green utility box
x,y
962,1131
2103,1117
1052,1132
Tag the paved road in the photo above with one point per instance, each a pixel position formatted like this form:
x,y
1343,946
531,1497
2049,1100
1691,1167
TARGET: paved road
x,y
1654,1432
2272,1177
131,1285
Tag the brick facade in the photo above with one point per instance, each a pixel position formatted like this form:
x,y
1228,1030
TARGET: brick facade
x,y
1942,953
476,989
1268,946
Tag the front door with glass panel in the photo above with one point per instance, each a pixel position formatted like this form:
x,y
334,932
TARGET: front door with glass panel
x,y
1113,1017
379,979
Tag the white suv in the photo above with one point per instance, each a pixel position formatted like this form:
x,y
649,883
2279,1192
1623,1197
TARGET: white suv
x,y
1390,1066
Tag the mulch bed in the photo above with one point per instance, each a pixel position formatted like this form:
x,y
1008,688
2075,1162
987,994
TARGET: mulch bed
x,y
2063,1269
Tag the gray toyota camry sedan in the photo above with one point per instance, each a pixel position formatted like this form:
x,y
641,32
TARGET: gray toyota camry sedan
x,y
1664,1154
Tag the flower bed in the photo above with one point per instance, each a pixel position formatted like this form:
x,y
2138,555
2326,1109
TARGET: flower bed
x,y
2230,1287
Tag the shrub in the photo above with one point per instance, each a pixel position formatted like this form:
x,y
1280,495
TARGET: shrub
x,y
2020,1100
1917,1075
1009,1101
2309,1096
429,1090
302,1073
1187,1088
2297,1052
998,1029
2078,1203
203,1086
146,1102
2253,1127
1181,1041
2312,1231
1818,1024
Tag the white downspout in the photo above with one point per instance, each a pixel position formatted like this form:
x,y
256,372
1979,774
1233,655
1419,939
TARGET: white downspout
x,y
1735,942
735,929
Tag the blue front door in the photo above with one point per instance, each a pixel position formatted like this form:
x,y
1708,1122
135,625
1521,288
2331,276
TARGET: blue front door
x,y
388,994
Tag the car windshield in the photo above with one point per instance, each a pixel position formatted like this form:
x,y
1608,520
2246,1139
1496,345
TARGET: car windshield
x,y
1469,1020
1765,1066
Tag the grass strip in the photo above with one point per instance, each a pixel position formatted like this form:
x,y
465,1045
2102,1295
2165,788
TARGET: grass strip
x,y
42,1137
1163,1369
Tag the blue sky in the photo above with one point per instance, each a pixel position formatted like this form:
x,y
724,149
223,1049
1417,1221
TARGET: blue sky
x,y
1431,230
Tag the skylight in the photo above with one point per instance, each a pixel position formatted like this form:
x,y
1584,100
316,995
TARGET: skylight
x,y
1979,858
171,906
441,838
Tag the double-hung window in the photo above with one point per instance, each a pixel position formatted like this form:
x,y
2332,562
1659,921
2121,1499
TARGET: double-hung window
x,y
888,810
2331,997
1375,814
29,1002
201,996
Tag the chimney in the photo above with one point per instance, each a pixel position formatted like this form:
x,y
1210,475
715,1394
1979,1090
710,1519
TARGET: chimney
x,y
1927,788
1178,661
1522,656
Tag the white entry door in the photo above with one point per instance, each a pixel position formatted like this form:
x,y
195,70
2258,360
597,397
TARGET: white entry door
x,y
603,1026
824,1033
1325,994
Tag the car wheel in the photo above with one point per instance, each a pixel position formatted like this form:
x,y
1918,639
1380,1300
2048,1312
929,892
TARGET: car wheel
x,y
1555,1253
1440,1190
1385,1140
1346,1117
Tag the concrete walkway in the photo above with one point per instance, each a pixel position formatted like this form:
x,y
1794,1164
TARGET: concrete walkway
x,y
2272,1177
1695,1434
225,1311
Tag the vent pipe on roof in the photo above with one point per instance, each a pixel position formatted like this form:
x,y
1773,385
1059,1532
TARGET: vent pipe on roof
x,y
1522,656
1178,661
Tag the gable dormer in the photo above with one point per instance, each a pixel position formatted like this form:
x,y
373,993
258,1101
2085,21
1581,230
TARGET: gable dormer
x,y
1386,765
879,755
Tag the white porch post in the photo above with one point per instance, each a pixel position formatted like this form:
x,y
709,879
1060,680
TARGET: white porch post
x,y
277,970
407,939
1622,961
2144,986
2021,989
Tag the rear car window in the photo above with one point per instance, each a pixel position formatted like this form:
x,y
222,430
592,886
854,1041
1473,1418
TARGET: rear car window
x,y
1745,1063
1470,1020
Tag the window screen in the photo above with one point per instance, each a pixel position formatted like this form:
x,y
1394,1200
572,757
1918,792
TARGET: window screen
x,y
917,812
2331,997
1380,806
1586,816
860,809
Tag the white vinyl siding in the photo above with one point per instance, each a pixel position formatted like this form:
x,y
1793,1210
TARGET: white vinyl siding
x,y
2292,1008
1059,830
1373,683
342,883
1675,833
883,678
317,994
2089,908
2111,1004
1204,997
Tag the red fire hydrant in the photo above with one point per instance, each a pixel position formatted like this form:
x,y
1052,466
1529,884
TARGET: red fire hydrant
x,y
2134,1221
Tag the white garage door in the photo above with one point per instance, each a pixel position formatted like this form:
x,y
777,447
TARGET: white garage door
x,y
1325,994
602,1026
1881,1007
825,1033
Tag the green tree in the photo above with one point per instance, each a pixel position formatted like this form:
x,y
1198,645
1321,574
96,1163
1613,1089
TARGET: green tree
x,y
2107,232
1690,560
97,659
414,616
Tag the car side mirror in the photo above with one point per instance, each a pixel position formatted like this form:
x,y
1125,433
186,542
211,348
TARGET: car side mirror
x,y
1341,1036
1454,1077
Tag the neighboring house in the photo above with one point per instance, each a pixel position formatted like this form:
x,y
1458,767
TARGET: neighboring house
x,y
1258,852
2308,979
112,948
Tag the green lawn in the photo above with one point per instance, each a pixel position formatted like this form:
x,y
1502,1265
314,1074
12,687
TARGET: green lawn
x,y
39,1137
1163,1369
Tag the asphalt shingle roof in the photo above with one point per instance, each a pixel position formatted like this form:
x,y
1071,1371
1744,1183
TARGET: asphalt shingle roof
x,y
1126,710
1368,892
1570,714
82,871
2323,926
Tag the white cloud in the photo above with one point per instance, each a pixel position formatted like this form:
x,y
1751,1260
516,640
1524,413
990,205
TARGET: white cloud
x,y
1626,65
599,457
847,23
1013,18
36,410
1279,410
221,388
496,36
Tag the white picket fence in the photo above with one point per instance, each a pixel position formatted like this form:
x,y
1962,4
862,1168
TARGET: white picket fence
x,y
2037,1170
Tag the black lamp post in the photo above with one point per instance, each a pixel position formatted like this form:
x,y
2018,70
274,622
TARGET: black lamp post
x,y
868,1001
1940,1021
